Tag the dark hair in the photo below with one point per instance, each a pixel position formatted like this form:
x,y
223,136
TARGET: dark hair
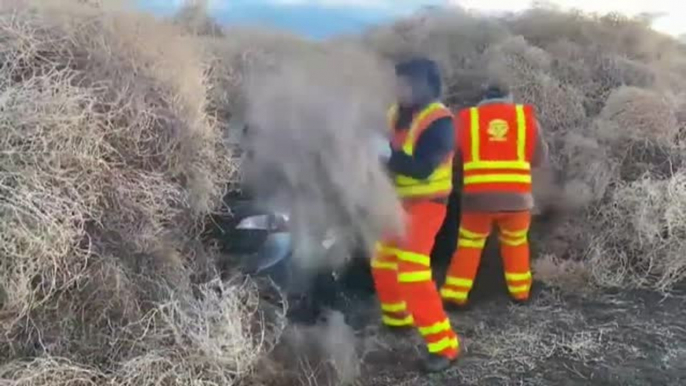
x,y
495,89
423,70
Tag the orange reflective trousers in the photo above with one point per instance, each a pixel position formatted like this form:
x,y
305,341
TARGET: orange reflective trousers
x,y
404,284
514,246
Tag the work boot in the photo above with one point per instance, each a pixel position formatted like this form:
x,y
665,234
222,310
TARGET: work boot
x,y
434,363
532,293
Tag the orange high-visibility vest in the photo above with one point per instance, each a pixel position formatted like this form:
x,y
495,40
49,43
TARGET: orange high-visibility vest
x,y
440,183
497,144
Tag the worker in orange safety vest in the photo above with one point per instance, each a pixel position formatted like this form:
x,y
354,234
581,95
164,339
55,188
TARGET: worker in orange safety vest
x,y
421,162
498,143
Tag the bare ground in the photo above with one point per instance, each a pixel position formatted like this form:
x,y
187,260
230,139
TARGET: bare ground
x,y
560,338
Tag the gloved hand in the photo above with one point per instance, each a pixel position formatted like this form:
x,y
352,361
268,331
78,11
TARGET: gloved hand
x,y
383,149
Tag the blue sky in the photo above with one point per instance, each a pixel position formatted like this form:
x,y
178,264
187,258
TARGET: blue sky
x,y
313,18
325,18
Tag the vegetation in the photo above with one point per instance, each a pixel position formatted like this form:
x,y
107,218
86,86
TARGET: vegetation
x,y
112,156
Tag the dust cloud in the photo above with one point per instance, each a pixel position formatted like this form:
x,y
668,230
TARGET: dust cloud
x,y
315,120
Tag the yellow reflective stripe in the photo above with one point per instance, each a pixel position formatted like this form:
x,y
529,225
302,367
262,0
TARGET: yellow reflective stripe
x,y
518,276
408,146
443,344
420,190
406,182
516,234
487,178
516,165
411,257
414,277
407,256
477,164
440,181
396,322
384,265
441,173
520,289
381,248
394,307
459,282
472,235
436,328
457,295
514,242
476,139
521,133
481,243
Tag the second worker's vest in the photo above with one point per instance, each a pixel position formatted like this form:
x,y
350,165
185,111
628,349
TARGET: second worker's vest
x,y
497,144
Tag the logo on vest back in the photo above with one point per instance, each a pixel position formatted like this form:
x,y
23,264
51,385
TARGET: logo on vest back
x,y
497,130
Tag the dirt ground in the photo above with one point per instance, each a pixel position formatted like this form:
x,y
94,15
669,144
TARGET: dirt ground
x,y
562,337
621,338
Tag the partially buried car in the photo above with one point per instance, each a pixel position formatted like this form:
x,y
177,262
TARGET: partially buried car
x,y
256,240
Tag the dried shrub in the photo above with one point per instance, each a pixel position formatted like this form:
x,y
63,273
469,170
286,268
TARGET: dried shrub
x,y
643,232
233,58
589,169
454,38
323,354
108,166
111,157
570,275
194,18
639,114
526,69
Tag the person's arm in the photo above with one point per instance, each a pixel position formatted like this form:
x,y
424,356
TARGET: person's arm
x,y
540,155
383,148
433,146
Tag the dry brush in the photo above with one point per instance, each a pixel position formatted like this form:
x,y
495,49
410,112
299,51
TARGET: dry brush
x,y
112,156
108,166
